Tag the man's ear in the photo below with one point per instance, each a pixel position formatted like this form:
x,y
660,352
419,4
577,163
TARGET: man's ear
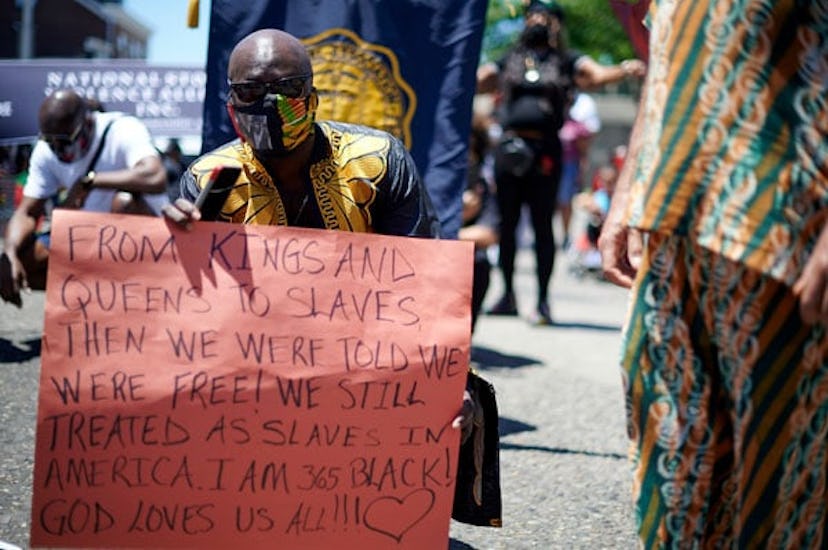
x,y
231,112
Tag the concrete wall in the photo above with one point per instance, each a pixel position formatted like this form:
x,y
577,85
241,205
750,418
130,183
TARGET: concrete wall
x,y
617,114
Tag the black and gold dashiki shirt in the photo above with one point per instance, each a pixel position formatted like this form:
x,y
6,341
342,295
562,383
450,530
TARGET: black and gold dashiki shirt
x,y
362,180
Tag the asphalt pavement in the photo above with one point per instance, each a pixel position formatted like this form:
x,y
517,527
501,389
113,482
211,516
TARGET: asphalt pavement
x,y
564,472
565,476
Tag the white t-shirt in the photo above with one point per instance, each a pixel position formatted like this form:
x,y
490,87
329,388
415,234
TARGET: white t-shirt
x,y
127,142
585,111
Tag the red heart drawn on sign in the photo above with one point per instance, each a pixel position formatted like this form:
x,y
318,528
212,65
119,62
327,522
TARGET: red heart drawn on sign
x,y
394,517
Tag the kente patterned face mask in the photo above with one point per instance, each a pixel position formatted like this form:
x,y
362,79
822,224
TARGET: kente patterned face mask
x,y
275,125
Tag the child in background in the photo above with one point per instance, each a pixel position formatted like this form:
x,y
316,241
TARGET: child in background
x,y
575,138
595,204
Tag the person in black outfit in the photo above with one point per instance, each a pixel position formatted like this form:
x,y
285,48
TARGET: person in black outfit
x,y
536,80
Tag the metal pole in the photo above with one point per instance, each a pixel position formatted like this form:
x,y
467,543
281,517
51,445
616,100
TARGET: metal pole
x,y
27,29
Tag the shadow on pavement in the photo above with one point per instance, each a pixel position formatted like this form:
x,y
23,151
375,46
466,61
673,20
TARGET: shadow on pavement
x,y
558,450
11,352
490,358
509,426
455,544
586,326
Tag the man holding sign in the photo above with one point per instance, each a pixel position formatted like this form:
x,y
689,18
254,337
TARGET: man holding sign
x,y
259,386
299,172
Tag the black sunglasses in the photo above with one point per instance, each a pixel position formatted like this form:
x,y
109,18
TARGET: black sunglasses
x,y
290,86
57,141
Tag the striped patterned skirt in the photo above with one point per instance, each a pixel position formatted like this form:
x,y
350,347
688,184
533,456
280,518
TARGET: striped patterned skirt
x,y
727,406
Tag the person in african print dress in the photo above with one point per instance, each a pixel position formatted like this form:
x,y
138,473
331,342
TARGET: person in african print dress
x,y
718,225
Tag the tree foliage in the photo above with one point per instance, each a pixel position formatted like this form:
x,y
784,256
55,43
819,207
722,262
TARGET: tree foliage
x,y
590,27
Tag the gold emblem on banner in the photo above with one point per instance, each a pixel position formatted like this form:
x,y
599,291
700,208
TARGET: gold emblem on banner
x,y
360,82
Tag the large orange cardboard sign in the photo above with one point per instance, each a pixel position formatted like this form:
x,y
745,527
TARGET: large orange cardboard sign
x,y
249,387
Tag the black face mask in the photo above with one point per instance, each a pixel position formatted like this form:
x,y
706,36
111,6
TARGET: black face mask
x,y
536,36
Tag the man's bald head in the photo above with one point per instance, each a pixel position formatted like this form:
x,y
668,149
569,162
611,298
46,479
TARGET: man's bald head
x,y
61,112
266,55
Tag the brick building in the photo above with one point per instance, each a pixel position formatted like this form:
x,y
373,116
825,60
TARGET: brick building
x,y
70,29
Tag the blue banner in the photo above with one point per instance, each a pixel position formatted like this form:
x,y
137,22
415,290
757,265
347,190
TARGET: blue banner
x,y
404,66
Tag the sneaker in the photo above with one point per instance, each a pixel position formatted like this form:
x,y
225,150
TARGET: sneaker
x,y
505,306
541,316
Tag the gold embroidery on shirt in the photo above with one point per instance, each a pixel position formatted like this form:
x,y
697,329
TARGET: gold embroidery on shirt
x,y
346,184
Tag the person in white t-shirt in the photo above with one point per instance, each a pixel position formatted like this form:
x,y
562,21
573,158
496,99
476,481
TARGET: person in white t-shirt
x,y
124,174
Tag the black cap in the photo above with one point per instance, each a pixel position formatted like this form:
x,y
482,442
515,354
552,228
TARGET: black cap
x,y
549,6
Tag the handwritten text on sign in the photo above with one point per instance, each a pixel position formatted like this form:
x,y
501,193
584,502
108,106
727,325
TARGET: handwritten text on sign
x,y
258,386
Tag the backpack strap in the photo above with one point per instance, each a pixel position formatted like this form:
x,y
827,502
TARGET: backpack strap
x,y
97,154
